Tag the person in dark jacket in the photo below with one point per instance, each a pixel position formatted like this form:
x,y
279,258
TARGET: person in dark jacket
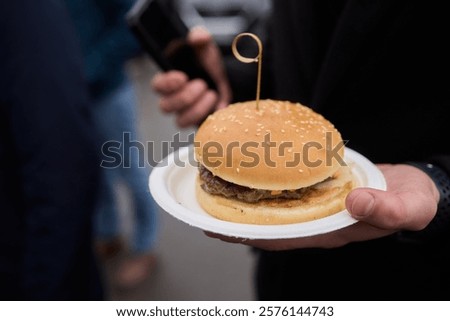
x,y
107,46
49,158
375,69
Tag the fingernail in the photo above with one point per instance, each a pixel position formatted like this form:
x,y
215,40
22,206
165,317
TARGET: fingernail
x,y
362,205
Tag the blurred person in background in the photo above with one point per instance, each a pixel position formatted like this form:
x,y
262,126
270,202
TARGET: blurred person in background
x,y
375,69
107,45
48,158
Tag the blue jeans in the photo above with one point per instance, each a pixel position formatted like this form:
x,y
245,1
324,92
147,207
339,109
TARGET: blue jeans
x,y
115,116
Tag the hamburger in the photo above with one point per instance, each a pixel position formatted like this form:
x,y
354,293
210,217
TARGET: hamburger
x,y
280,163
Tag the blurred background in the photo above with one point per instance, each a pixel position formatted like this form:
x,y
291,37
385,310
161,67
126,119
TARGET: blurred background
x,y
224,19
190,266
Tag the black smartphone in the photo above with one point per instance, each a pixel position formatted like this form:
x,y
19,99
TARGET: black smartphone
x,y
162,33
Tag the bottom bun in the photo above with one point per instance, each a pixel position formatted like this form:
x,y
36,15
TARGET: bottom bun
x,y
325,199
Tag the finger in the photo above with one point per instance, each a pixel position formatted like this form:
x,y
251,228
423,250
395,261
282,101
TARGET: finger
x,y
229,239
269,245
225,95
381,209
211,59
388,210
221,104
168,82
199,36
184,97
359,231
197,112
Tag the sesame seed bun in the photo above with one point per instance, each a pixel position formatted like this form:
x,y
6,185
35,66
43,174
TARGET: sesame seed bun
x,y
259,157
298,135
326,199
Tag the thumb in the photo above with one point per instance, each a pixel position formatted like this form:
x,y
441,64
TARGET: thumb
x,y
390,210
199,36
211,59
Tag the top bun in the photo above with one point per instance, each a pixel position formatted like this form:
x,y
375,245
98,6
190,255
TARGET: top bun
x,y
281,145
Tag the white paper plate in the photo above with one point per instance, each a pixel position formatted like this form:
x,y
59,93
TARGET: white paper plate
x,y
172,185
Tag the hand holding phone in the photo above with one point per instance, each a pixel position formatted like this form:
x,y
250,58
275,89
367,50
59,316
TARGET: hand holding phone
x,y
190,100
163,34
